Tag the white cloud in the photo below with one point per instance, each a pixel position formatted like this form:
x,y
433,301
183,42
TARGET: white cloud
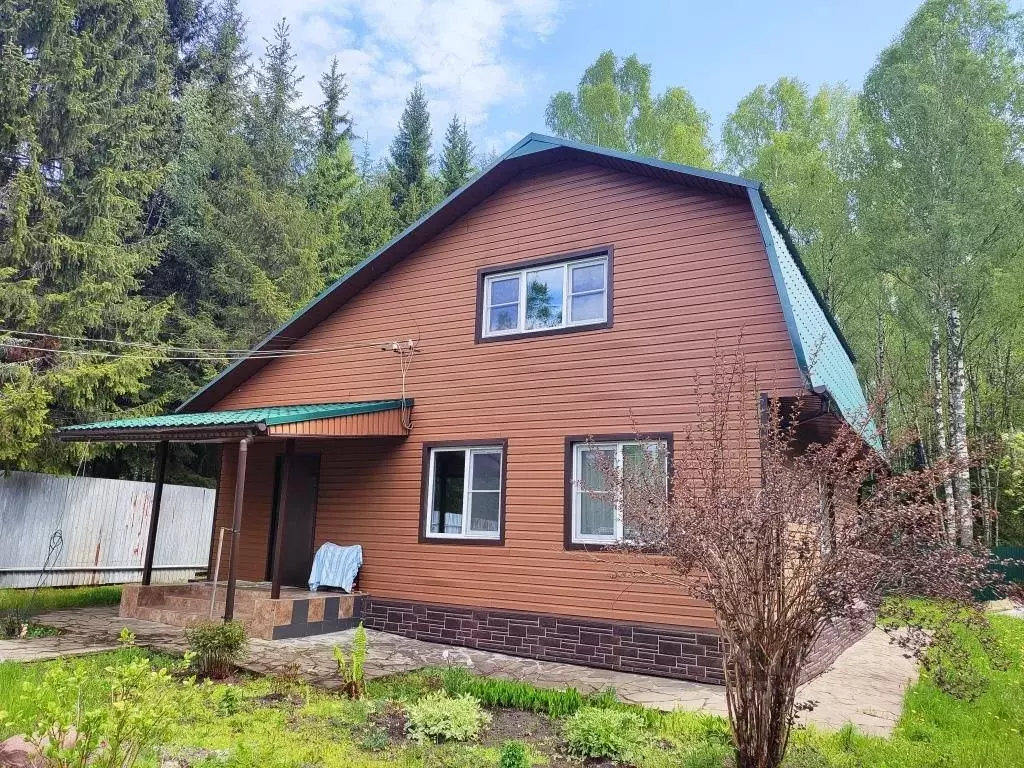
x,y
463,52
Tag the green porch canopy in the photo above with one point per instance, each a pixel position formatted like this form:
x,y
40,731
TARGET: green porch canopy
x,y
222,425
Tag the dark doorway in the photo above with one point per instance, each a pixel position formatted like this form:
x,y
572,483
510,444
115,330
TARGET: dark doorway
x,y
299,519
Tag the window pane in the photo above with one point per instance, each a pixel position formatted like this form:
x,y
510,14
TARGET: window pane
x,y
596,464
589,278
449,484
597,515
505,290
483,516
645,461
588,307
544,298
504,318
486,471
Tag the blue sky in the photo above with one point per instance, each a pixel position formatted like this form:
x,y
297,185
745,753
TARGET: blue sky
x,y
497,62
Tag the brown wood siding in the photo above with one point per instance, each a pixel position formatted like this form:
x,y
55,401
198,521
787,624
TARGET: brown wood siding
x,y
382,423
689,267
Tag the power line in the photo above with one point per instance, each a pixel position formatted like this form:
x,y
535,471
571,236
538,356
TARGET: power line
x,y
224,354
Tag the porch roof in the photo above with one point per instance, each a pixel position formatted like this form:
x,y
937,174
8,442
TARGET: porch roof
x,y
359,419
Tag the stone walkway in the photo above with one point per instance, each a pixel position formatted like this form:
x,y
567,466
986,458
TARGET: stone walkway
x,y
865,686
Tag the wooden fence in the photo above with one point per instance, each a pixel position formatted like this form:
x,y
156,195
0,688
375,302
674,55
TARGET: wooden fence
x,y
94,530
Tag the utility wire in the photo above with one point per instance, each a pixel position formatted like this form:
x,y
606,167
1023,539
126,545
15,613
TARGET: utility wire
x,y
224,353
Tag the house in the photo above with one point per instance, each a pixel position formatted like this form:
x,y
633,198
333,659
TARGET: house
x,y
434,406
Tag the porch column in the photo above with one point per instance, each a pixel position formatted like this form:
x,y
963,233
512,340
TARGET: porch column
x,y
236,527
282,503
154,514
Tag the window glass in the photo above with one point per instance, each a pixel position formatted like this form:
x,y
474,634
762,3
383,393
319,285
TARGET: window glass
x,y
465,492
449,486
553,296
544,298
596,512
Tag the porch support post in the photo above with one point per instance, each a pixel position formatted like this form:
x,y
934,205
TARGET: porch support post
x,y
154,514
236,527
282,503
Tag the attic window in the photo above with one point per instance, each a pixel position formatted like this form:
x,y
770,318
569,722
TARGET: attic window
x,y
556,294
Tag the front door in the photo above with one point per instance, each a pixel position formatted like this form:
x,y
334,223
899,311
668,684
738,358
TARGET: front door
x,y
299,519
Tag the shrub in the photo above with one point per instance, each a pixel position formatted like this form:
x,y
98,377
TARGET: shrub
x,y
138,714
350,665
216,647
514,755
613,733
440,717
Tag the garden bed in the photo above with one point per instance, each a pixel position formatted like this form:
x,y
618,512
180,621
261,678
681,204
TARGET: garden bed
x,y
252,721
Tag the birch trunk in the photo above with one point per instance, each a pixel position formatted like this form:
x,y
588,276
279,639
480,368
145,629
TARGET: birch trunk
x,y
958,424
881,382
935,363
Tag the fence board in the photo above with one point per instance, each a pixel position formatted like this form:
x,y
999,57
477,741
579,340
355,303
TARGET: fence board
x,y
103,523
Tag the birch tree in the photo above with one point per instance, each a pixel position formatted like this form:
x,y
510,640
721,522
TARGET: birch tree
x,y
941,193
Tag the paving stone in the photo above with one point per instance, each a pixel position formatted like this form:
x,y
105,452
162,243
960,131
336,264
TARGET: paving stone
x,y
864,686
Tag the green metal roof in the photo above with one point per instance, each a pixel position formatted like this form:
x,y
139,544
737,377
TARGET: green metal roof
x,y
267,416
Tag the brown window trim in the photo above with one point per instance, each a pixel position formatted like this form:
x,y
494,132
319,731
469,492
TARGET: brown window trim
x,y
501,442
579,255
573,440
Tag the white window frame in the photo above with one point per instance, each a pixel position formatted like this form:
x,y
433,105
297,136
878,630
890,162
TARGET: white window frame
x,y
467,492
578,491
567,322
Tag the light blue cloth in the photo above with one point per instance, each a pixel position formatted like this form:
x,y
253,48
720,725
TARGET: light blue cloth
x,y
335,566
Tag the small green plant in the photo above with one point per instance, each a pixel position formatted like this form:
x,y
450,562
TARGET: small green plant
x,y
126,638
374,739
351,664
617,734
216,647
138,713
439,717
514,755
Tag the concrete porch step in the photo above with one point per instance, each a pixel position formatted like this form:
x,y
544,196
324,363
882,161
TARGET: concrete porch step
x,y
173,618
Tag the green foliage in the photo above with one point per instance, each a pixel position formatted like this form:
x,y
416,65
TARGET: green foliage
x,y
412,188
611,733
217,647
137,715
439,717
494,692
58,599
613,107
456,156
514,754
350,665
84,143
126,638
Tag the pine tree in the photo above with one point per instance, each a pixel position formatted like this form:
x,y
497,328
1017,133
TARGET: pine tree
x,y
333,125
84,143
410,161
456,156
186,20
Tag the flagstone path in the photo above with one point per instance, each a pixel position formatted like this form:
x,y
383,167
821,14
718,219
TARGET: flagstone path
x,y
865,686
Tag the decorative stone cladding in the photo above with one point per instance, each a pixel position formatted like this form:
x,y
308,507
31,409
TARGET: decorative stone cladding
x,y
690,654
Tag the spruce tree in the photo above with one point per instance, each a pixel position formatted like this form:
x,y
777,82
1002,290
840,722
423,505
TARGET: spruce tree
x,y
333,125
412,187
85,111
277,126
456,156
242,245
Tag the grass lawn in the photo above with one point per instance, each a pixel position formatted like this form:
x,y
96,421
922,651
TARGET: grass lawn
x,y
56,598
252,722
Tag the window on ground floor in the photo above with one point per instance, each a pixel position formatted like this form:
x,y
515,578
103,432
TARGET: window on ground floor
x,y
595,509
464,492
